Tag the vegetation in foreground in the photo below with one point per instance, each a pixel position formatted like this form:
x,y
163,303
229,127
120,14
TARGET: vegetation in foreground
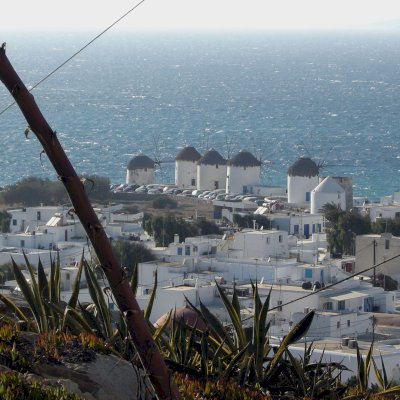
x,y
220,362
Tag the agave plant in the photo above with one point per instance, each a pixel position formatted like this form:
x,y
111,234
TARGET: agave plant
x,y
237,352
38,293
362,389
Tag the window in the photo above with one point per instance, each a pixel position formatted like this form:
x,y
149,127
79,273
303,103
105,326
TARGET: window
x,y
308,273
67,277
187,250
179,251
267,240
387,244
308,196
348,323
193,182
38,216
341,305
279,305
280,239
338,325
327,306
14,222
22,243
296,229
319,228
313,228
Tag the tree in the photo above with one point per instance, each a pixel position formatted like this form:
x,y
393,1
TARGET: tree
x,y
246,221
162,202
5,219
164,227
32,191
130,253
97,187
342,227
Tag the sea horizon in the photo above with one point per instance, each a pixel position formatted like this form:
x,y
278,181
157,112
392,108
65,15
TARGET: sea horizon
x,y
281,95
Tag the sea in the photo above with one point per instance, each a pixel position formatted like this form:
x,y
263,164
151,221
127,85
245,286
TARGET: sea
x,y
332,96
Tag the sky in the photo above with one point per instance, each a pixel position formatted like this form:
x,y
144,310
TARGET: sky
x,y
201,14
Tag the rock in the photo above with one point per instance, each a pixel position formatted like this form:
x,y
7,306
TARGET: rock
x,y
106,378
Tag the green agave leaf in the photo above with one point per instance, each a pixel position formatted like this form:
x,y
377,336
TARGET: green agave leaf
x,y
296,333
96,294
73,319
37,295
14,308
57,281
27,293
135,279
378,375
93,321
75,288
150,304
234,316
237,358
392,390
297,368
43,284
219,333
361,371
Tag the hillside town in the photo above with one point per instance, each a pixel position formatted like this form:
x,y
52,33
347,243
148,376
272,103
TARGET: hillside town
x,y
289,258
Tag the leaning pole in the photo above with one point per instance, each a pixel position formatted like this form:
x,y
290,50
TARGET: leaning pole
x,y
149,353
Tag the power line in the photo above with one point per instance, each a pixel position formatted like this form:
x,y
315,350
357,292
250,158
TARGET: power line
x,y
326,287
79,51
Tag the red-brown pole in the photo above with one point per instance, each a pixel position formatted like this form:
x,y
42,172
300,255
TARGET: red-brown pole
x,y
148,352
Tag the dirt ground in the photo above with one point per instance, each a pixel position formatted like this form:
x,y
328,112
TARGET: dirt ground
x,y
387,319
187,207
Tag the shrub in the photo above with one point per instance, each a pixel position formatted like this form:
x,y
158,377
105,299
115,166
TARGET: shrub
x,y
164,202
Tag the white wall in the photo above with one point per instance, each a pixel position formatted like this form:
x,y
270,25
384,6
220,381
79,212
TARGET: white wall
x,y
143,176
298,186
239,177
319,199
211,177
185,172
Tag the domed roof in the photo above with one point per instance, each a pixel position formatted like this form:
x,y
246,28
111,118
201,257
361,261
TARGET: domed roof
x,y
244,159
304,166
140,161
329,185
188,153
189,316
211,157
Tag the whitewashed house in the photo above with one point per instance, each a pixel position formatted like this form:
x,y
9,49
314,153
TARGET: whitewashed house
x,y
186,168
327,192
140,170
30,218
374,249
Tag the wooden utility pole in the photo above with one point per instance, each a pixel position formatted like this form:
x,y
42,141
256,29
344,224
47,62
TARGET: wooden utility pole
x,y
148,352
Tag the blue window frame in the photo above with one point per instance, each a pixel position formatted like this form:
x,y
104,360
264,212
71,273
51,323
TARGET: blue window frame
x,y
179,251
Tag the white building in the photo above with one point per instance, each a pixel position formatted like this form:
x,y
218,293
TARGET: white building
x,y
30,218
211,171
258,244
140,170
243,171
186,168
375,249
300,224
327,192
302,178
